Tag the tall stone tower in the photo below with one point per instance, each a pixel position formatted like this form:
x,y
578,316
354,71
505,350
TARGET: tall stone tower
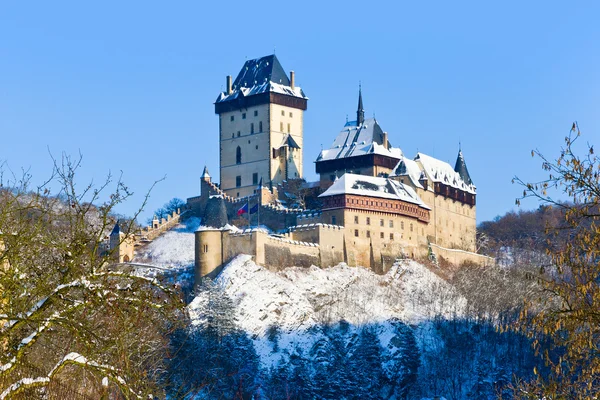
x,y
260,127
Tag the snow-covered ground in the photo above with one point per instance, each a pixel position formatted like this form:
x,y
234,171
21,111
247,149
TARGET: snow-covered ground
x,y
298,300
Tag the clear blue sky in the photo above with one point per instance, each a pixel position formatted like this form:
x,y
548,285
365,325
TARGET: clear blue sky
x,y
132,85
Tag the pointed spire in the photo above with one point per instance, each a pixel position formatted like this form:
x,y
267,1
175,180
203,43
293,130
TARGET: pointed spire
x,y
116,230
360,113
205,173
461,168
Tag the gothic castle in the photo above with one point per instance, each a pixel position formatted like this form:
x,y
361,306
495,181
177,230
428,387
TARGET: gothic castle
x,y
371,205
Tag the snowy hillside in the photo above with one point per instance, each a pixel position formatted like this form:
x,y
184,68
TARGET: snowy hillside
x,y
339,333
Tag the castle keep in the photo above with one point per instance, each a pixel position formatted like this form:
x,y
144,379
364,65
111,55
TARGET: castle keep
x,y
260,127
371,205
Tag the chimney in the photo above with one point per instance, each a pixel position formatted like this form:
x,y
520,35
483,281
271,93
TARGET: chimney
x,y
292,79
228,84
385,140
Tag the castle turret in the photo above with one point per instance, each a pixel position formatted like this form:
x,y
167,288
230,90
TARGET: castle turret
x,y
205,175
121,245
208,253
461,168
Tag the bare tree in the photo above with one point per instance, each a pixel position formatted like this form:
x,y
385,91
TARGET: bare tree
x,y
67,313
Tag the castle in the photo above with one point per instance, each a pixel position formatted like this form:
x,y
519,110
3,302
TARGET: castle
x,y
374,203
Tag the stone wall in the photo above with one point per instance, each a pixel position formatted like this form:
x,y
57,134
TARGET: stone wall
x,y
458,257
158,227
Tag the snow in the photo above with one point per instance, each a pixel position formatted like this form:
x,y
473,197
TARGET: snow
x,y
440,171
173,249
355,141
296,300
265,87
373,186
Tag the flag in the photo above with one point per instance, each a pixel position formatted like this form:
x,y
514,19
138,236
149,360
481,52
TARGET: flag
x,y
254,209
243,210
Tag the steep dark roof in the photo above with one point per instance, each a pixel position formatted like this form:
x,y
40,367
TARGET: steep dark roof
x,y
116,230
215,213
356,140
289,141
257,77
259,71
461,168
205,173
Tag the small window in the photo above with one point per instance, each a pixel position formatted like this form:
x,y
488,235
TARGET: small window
x,y
333,220
411,227
281,127
255,178
402,225
356,232
233,135
381,234
291,115
205,248
260,126
238,182
368,234
256,113
391,223
232,118
368,221
256,147
238,155
243,115
381,222
288,128
391,236
239,133
238,194
356,219
252,128
282,113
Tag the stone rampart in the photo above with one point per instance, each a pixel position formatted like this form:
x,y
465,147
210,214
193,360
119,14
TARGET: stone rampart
x,y
158,227
458,257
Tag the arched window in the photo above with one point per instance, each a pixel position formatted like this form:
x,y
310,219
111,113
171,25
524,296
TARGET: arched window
x,y
238,155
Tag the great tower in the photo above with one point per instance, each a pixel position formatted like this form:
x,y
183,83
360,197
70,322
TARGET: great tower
x,y
260,127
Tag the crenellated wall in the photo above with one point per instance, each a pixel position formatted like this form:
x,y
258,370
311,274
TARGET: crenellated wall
x,y
302,246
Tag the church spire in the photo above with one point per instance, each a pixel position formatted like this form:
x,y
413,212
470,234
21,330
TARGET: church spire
x,y
360,113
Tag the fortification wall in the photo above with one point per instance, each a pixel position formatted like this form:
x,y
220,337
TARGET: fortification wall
x,y
281,253
151,232
458,257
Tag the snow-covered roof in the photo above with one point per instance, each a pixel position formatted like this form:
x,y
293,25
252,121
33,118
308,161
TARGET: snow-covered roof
x,y
409,168
374,186
261,75
262,88
440,171
356,140
205,173
461,168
